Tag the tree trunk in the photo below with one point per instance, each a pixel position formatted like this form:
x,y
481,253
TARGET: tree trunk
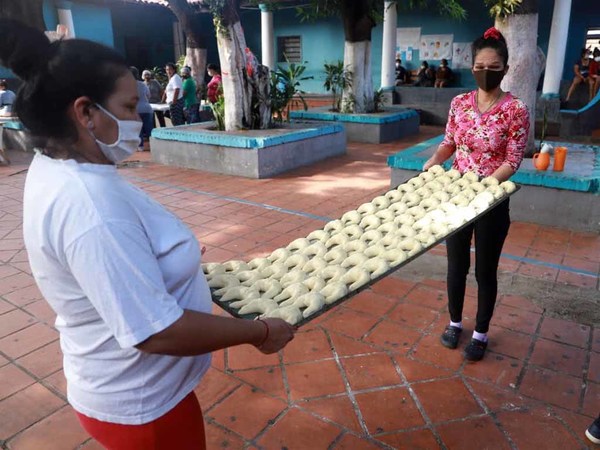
x,y
358,24
30,12
358,98
525,60
195,51
246,86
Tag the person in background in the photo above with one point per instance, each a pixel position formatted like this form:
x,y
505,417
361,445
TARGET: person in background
x,y
156,93
173,95
444,75
144,109
425,76
214,89
487,131
582,74
7,98
190,101
595,70
593,431
401,73
121,272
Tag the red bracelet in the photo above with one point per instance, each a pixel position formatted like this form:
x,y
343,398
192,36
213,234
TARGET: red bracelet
x,y
266,334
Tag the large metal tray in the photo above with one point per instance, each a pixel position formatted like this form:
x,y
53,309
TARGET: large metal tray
x,y
234,311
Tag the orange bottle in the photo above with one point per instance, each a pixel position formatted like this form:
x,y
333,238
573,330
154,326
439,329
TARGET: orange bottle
x,y
560,156
541,161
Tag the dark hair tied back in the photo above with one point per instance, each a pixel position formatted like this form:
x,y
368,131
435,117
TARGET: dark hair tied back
x,y
493,39
55,75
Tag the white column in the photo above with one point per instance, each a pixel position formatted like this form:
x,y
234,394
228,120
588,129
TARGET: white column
x,y
388,48
266,36
557,46
65,17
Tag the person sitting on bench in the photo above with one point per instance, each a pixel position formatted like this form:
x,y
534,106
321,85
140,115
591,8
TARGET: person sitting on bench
x,y
7,97
444,75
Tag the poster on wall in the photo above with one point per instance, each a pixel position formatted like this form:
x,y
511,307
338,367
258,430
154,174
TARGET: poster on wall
x,y
407,37
436,46
461,55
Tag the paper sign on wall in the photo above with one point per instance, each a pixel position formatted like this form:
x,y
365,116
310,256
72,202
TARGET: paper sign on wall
x,y
407,37
436,46
461,55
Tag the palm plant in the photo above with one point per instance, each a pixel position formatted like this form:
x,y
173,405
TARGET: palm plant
x,y
285,89
337,79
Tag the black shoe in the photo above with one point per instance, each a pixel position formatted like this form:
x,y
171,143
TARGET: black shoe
x,y
475,350
451,336
593,432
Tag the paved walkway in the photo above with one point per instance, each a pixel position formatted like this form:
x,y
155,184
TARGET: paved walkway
x,y
370,373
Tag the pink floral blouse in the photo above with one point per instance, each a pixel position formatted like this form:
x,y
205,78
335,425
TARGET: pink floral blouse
x,y
484,142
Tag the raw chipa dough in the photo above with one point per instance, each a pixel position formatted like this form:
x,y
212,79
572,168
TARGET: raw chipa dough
x,y
297,281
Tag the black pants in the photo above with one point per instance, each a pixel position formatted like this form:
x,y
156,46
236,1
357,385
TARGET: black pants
x,y
490,232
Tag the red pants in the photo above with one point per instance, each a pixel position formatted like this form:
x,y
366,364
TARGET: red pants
x,y
182,428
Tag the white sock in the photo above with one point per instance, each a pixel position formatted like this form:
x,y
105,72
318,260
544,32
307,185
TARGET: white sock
x,y
456,324
480,336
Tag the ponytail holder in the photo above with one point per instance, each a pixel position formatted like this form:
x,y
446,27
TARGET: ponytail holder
x,y
492,33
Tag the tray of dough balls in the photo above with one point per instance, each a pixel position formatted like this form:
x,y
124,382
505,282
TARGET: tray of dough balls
x,y
313,274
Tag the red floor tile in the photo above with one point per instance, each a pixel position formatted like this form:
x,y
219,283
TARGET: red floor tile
x,y
261,408
298,429
218,438
59,431
411,440
13,380
371,303
575,279
371,371
529,428
346,346
27,340
267,379
392,336
594,369
508,342
414,316
393,287
430,350
517,301
57,383
308,346
418,371
338,410
551,387
215,386
439,400
14,321
350,442
314,379
426,296
44,361
496,369
247,357
473,434
389,410
351,323
498,398
559,357
591,402
25,408
515,319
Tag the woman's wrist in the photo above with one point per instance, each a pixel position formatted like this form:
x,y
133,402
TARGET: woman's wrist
x,y
259,332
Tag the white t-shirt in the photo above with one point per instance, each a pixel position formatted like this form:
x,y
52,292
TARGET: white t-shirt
x,y
175,82
116,267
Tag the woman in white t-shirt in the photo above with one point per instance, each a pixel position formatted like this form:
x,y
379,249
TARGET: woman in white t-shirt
x,y
121,272
174,95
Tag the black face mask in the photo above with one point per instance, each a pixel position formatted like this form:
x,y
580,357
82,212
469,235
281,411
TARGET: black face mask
x,y
488,80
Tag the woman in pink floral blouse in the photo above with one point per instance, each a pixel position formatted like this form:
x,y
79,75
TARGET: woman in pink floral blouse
x,y
487,132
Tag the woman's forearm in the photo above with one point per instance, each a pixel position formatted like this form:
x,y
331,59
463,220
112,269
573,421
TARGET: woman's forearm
x,y
503,173
441,154
196,333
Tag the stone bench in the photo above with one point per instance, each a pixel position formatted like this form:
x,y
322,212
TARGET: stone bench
x,y
569,199
391,124
431,103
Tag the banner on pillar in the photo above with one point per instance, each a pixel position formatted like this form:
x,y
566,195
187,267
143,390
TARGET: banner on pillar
x,y
407,37
436,46
461,55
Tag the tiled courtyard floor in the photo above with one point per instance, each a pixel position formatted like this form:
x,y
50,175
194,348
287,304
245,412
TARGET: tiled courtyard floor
x,y
370,373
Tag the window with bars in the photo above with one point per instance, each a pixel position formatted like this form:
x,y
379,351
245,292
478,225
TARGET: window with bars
x,y
289,47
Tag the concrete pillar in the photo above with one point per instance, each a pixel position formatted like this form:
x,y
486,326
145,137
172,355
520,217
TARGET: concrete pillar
x,y
557,46
266,36
65,17
388,51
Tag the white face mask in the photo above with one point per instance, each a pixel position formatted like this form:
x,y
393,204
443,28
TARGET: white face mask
x,y
128,139
597,59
